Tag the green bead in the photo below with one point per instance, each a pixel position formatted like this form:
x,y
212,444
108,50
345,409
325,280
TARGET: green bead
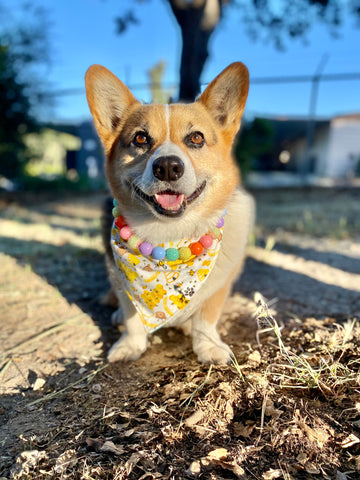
x,y
116,212
172,254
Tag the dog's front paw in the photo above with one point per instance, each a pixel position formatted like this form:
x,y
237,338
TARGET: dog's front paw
x,y
127,348
208,345
217,353
117,318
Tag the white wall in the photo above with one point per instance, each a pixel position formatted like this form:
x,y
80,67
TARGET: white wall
x,y
343,147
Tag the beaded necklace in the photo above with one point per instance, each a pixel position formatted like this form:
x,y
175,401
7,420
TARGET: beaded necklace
x,y
161,280
158,252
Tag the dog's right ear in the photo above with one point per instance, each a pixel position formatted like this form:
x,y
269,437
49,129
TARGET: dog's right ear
x,y
108,99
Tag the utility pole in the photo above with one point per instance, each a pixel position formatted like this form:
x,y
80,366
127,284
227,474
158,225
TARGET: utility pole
x,y
312,113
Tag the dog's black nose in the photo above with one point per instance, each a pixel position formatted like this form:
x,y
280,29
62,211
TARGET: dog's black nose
x,y
168,169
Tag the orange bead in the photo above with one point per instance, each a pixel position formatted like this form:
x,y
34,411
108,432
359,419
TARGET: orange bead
x,y
196,248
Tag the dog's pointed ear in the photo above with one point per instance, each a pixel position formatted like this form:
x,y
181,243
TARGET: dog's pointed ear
x,y
108,99
225,97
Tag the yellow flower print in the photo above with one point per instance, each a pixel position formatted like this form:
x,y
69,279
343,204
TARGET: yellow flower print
x,y
152,298
159,291
179,300
202,274
133,259
131,275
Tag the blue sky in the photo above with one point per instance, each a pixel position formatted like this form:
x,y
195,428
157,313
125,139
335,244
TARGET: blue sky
x,y
83,32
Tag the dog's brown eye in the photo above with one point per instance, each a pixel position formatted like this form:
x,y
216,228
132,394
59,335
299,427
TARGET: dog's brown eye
x,y
140,139
197,139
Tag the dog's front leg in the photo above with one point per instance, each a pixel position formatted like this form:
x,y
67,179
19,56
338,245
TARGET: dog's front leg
x,y
133,341
207,343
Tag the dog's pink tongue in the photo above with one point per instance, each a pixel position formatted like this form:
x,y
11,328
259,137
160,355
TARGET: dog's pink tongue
x,y
170,201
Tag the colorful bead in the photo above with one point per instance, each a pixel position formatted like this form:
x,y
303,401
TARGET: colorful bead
x,y
206,241
215,232
220,223
196,248
134,241
125,232
172,254
120,222
146,248
184,253
158,253
116,211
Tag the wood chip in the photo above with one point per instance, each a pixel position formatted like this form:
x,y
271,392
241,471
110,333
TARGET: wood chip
x,y
195,418
194,468
254,359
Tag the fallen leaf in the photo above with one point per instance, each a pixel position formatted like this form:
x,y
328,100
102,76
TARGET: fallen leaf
x,y
94,443
349,441
25,462
110,447
302,458
217,454
270,410
132,461
218,457
318,434
66,460
311,468
241,430
272,473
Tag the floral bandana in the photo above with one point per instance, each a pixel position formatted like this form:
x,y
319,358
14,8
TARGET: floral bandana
x,y
161,289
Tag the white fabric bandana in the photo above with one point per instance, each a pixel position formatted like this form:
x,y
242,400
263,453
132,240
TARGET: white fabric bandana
x,y
161,289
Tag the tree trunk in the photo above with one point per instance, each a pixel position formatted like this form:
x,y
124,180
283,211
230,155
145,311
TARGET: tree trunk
x,y
197,21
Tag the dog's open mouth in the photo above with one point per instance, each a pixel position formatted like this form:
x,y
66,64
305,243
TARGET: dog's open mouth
x,y
168,202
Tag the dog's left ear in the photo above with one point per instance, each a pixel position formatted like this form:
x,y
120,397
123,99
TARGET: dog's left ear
x,y
225,97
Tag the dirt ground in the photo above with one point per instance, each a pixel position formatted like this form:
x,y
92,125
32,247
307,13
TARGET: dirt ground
x,y
287,408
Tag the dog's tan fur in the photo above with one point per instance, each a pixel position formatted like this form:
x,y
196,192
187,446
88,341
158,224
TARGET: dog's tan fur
x,y
217,115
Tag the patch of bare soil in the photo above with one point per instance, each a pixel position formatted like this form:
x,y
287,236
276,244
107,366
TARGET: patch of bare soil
x,y
288,407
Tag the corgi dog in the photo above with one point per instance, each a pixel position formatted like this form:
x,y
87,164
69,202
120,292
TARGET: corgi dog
x,y
181,219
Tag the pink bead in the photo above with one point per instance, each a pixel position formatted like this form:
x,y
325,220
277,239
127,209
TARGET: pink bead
x,y
206,241
125,232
